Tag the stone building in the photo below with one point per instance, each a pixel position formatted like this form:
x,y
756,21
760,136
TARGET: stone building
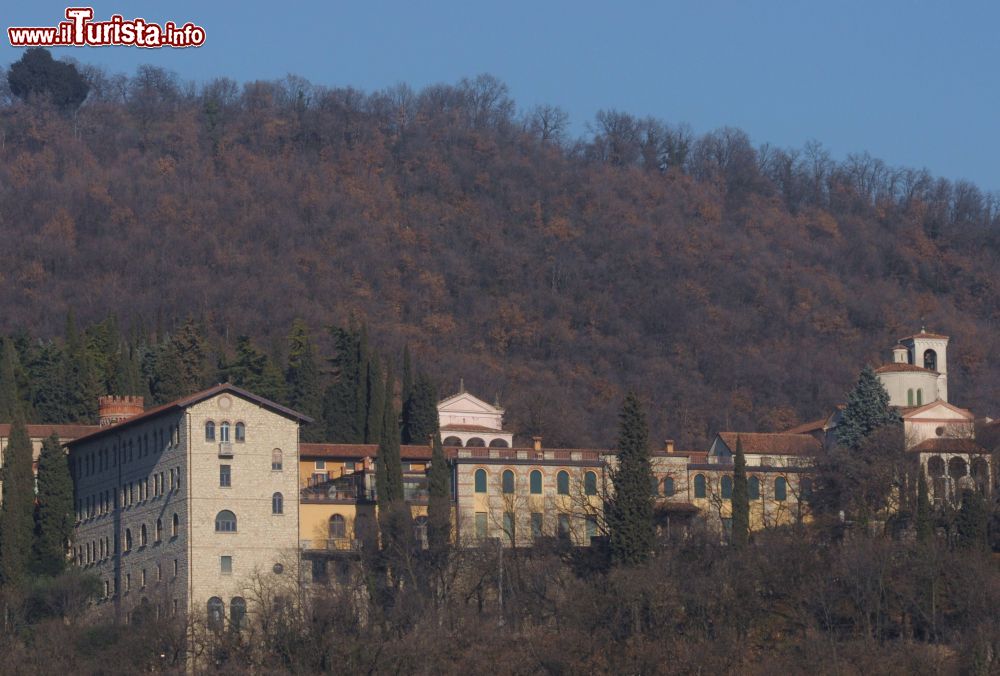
x,y
467,420
188,505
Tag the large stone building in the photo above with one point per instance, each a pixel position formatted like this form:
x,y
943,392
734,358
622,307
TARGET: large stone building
x,y
183,506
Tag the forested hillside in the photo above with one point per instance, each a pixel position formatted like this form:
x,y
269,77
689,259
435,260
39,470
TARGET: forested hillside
x,y
733,285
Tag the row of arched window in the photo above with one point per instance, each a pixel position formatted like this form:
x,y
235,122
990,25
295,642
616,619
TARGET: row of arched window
x,y
475,442
780,492
223,431
217,613
144,536
124,452
508,482
919,400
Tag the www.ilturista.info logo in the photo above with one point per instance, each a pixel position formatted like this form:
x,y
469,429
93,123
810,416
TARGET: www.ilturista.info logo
x,y
81,31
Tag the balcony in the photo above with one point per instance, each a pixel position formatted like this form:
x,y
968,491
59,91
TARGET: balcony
x,y
329,495
225,449
344,544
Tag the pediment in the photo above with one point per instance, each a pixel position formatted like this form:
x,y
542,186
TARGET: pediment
x,y
463,402
938,410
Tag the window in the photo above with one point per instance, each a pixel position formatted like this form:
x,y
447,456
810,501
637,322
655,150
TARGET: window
x,y
241,433
237,612
753,488
321,465
480,480
590,483
562,483
128,539
159,572
175,568
337,528
536,524
224,434
930,360
277,504
210,431
216,613
920,397
128,582
226,565
727,488
142,535
480,525
175,526
225,476
507,482
909,397
225,522
508,525
654,486
591,527
535,482
780,489
276,460
564,525
668,487
699,486
142,579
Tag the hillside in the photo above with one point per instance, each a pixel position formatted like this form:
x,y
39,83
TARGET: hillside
x,y
734,286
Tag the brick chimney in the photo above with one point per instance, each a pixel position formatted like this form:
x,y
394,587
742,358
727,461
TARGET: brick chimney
x,y
538,443
668,446
112,409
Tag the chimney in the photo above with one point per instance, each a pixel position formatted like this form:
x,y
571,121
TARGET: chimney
x,y
668,446
112,410
538,443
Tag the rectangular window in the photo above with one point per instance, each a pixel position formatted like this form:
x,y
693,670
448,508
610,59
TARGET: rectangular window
x,y
508,526
350,465
226,563
128,582
481,525
225,477
321,464
175,567
142,578
536,524
159,572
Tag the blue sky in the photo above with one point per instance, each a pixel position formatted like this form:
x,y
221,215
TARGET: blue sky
x,y
914,83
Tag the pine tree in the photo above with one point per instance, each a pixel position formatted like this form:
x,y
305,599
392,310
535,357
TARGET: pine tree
x,y
340,403
925,523
302,380
376,402
630,510
867,409
48,389
10,395
741,498
54,515
82,382
439,502
972,521
421,417
17,512
181,365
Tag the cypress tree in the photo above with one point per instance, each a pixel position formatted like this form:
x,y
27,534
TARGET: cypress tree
x,y
389,447
972,520
82,382
302,380
421,417
630,510
375,407
17,512
741,498
925,524
867,409
361,383
54,515
439,503
340,404
10,396
406,395
48,391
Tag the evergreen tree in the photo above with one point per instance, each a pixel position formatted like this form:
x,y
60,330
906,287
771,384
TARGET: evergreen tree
x,y
253,370
405,396
180,364
54,515
340,403
925,523
361,382
439,503
17,512
867,409
741,498
630,510
972,520
302,380
388,448
48,389
375,404
421,415
10,394
82,381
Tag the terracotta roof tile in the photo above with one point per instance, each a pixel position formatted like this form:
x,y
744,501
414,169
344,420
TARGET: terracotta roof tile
x,y
945,445
924,334
43,430
812,426
759,443
900,368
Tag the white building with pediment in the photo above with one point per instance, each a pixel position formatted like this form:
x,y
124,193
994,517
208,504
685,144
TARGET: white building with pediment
x,y
467,420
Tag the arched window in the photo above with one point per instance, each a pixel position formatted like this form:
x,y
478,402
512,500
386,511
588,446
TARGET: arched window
x,y
930,360
142,535
590,483
699,486
535,481
159,529
224,432
237,612
957,468
216,613
451,441
337,527
753,488
174,526
780,489
475,442
128,539
562,483
920,396
276,460
727,487
909,397
277,504
654,486
507,482
668,487
209,431
241,433
498,443
480,480
225,522
935,466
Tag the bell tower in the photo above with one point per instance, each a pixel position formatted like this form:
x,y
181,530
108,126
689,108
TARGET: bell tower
x,y
930,351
